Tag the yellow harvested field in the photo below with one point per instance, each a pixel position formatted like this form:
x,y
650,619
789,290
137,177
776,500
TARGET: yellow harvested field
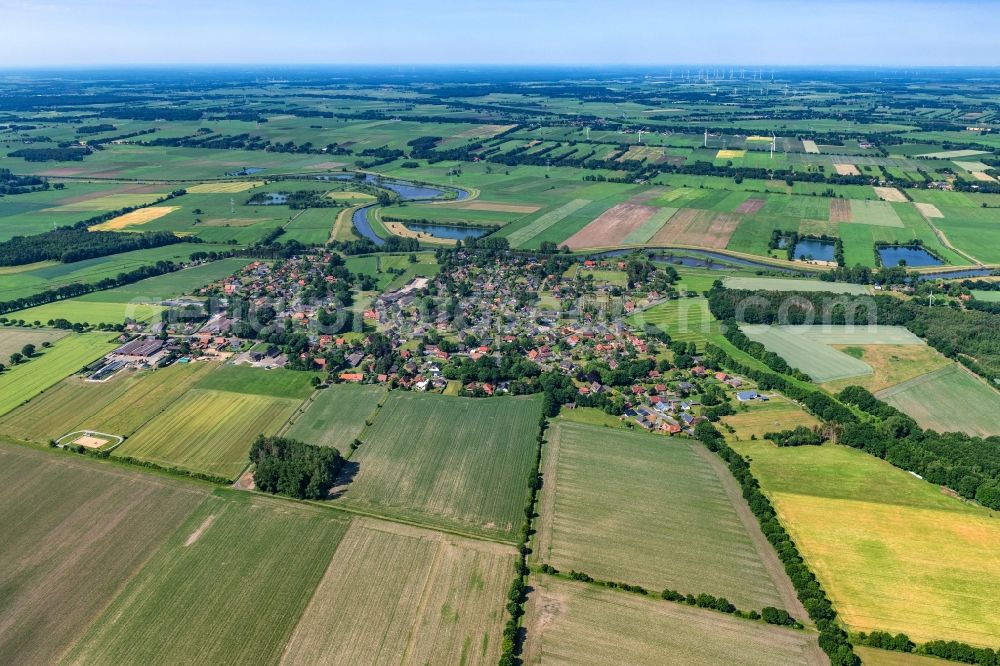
x,y
407,595
891,365
846,170
224,188
135,218
890,194
984,177
810,146
929,210
349,196
730,154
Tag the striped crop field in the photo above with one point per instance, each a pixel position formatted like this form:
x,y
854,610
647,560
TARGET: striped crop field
x,y
457,463
407,595
208,431
337,415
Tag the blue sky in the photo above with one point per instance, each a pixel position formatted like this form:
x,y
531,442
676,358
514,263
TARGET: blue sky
x,y
797,32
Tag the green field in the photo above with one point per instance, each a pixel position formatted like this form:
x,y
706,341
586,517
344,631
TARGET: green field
x,y
810,347
683,319
170,285
406,595
13,339
74,532
602,511
893,552
576,623
91,312
458,463
279,383
208,431
789,284
228,586
950,399
68,355
337,415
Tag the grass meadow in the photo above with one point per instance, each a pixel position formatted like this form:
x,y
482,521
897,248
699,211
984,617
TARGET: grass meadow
x,y
893,552
69,354
251,560
456,463
75,531
407,595
337,415
208,431
278,383
684,320
13,339
950,399
576,623
645,510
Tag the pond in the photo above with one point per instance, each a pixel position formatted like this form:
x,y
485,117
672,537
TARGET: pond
x,y
817,250
911,255
444,231
269,199
246,171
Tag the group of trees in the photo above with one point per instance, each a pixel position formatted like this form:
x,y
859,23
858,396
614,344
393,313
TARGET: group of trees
x,y
70,244
293,468
798,436
14,184
69,154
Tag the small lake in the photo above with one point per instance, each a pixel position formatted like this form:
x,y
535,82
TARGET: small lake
x,y
912,255
247,171
817,250
443,231
271,199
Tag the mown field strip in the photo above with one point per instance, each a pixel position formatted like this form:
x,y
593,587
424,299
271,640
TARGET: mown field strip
x,y
461,463
227,587
646,510
397,594
521,236
948,400
337,415
580,624
75,531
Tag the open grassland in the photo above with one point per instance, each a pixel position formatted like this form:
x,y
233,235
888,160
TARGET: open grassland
x,y
74,532
684,320
227,587
208,431
407,595
130,408
646,510
78,311
893,552
13,339
337,415
790,284
279,383
810,347
575,623
224,187
890,364
461,463
170,285
778,413
68,355
950,399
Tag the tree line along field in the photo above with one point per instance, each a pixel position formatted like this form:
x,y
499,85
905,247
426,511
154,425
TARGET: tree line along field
x,y
640,509
574,623
336,416
893,552
457,463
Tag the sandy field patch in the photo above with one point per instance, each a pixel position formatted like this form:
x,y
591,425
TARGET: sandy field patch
x,y
890,194
224,188
984,177
401,230
730,154
846,170
810,146
750,206
840,210
90,441
135,218
611,226
929,210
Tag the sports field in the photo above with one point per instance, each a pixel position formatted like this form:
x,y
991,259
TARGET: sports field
x,y
336,416
575,623
459,463
810,347
684,320
208,431
69,354
251,561
74,532
950,399
604,511
790,284
893,552
407,595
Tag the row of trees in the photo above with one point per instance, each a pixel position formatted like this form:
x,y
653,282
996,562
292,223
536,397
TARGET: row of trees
x,y
69,244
